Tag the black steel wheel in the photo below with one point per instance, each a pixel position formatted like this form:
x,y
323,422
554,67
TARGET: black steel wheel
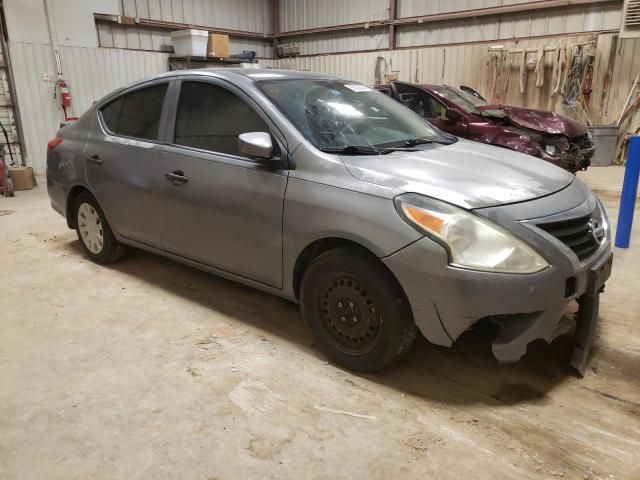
x,y
356,310
350,315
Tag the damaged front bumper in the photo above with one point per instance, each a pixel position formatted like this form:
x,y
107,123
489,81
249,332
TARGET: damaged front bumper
x,y
574,153
587,315
446,300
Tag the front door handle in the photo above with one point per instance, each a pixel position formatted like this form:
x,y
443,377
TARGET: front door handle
x,y
95,159
176,177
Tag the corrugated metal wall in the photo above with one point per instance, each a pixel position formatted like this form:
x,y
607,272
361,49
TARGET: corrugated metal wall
x,y
626,68
92,73
469,65
245,15
414,8
304,14
529,24
136,38
344,41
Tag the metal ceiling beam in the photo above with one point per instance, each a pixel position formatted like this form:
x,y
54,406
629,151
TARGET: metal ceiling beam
x,y
164,25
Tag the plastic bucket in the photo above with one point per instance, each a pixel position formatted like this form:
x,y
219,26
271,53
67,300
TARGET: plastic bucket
x,y
605,139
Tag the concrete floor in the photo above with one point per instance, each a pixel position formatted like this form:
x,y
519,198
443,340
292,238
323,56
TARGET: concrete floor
x,y
149,369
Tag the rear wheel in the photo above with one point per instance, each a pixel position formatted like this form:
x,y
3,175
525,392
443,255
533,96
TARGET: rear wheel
x,y
94,232
356,310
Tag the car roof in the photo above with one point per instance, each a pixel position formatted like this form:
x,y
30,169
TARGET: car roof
x,y
251,74
236,75
421,85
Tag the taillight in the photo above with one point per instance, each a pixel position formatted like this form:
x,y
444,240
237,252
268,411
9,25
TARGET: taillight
x,y
54,143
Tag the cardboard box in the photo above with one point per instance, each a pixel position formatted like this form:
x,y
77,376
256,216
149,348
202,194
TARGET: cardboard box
x,y
218,46
23,178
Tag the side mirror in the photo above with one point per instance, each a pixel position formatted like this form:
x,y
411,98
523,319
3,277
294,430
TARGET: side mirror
x,y
256,145
453,115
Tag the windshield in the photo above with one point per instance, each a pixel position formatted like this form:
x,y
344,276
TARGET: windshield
x,y
469,103
334,114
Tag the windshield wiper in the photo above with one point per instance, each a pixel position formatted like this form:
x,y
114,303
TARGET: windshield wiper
x,y
364,150
412,142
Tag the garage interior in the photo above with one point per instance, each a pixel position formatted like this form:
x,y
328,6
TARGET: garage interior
x,y
148,368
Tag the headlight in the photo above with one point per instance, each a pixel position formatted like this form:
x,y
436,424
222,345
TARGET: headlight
x,y
551,150
601,220
472,241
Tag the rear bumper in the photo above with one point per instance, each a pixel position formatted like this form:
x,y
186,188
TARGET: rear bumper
x,y
446,300
57,195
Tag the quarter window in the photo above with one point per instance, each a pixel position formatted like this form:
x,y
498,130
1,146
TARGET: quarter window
x,y
111,114
136,114
211,118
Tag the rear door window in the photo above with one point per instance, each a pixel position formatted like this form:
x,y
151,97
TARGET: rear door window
x,y
211,118
136,114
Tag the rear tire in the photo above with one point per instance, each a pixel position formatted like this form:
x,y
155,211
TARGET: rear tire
x,y
94,232
356,310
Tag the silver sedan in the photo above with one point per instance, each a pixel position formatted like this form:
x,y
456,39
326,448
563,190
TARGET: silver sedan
x,y
330,194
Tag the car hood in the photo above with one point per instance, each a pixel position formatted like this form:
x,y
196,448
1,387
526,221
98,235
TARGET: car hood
x,y
467,174
539,120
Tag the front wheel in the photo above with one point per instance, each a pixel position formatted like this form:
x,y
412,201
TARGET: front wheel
x,y
356,310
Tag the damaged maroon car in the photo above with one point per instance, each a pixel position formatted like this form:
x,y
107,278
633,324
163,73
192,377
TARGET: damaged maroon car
x,y
547,135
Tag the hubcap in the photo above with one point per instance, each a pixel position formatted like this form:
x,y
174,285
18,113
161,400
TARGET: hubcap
x,y
90,228
350,316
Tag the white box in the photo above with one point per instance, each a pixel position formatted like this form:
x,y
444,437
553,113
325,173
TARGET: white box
x,y
190,43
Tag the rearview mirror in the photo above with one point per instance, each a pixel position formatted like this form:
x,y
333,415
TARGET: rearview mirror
x,y
256,145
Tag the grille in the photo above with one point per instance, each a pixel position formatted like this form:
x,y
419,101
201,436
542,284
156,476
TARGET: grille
x,y
575,233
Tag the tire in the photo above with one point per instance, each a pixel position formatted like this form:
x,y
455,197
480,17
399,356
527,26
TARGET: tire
x,y
356,310
94,232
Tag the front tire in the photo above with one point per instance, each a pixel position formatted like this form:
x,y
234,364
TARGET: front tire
x,y
94,232
356,310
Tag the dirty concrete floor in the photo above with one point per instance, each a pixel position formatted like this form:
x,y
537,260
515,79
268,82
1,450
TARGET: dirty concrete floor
x,y
150,369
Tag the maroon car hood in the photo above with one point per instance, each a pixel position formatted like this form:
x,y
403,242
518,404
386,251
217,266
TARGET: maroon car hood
x,y
540,120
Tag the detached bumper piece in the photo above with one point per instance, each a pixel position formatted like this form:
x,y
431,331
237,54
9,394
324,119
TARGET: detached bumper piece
x,y
587,314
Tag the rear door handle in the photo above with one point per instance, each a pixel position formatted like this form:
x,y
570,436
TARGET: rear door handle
x,y
176,177
94,159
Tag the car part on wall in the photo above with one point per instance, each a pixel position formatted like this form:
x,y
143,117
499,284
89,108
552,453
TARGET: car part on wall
x,y
539,70
632,101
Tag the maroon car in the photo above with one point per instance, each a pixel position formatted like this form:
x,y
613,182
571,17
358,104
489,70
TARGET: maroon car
x,y
559,140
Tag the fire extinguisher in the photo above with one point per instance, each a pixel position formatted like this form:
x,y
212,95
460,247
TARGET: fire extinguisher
x,y
65,93
65,96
